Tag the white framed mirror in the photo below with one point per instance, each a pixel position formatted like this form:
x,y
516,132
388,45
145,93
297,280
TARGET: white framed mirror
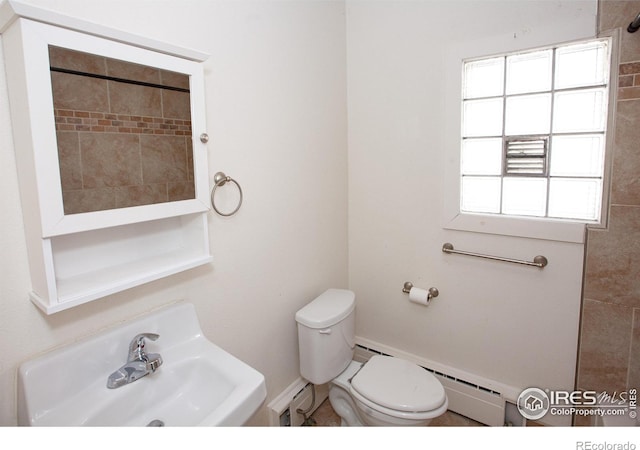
x,y
95,113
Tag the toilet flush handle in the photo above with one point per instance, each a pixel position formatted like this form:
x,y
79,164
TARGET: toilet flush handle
x,y
325,331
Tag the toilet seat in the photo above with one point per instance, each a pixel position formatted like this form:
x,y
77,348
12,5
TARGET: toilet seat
x,y
398,388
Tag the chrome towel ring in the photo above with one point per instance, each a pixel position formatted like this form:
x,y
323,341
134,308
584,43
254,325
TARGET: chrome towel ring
x,y
220,179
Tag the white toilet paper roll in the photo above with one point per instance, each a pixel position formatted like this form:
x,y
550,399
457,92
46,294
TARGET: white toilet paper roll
x,y
419,296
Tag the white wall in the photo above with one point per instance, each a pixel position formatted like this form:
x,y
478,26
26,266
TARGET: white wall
x,y
276,114
513,324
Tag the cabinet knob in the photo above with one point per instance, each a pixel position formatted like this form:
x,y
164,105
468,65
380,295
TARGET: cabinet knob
x,y
204,138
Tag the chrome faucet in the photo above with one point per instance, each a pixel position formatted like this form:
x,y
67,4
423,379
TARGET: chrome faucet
x,y
139,363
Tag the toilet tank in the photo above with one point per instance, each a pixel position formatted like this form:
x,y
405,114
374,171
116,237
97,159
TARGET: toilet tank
x,y
326,335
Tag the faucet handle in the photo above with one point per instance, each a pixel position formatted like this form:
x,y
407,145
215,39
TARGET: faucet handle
x,y
154,361
136,347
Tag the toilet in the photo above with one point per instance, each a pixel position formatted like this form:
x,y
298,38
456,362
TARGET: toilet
x,y
384,391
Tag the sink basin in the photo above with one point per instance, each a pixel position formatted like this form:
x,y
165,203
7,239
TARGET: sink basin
x,y
197,384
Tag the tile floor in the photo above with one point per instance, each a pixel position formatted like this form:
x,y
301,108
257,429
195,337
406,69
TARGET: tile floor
x,y
325,416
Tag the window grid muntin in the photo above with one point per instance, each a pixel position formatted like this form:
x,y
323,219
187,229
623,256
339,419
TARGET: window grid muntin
x,y
553,91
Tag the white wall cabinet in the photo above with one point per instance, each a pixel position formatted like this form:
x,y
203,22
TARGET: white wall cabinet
x,y
82,256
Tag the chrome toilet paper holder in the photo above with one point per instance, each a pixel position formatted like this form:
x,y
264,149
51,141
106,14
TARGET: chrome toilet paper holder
x,y
433,292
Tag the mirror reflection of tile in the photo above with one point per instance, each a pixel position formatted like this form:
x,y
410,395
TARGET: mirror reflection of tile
x,y
123,131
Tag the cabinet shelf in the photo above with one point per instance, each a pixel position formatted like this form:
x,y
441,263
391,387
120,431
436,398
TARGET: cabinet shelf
x,y
90,286
93,264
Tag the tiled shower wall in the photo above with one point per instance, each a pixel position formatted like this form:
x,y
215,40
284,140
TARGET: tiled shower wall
x,y
120,143
609,357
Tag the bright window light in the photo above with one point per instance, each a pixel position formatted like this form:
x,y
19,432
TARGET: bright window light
x,y
533,132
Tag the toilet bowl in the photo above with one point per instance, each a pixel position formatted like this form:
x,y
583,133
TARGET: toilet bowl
x,y
384,391
365,395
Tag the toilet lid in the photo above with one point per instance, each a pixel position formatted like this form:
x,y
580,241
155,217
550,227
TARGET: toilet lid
x,y
398,384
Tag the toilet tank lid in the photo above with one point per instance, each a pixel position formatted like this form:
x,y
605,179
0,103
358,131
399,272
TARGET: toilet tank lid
x,y
328,309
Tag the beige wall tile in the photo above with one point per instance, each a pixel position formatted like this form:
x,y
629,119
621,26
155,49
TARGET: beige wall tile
x,y
164,158
79,92
174,79
146,194
189,143
614,14
628,93
625,189
87,200
181,191
69,160
135,100
634,356
612,271
176,105
604,346
131,71
110,160
64,58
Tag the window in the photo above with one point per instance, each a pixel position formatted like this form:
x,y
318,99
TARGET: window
x,y
533,132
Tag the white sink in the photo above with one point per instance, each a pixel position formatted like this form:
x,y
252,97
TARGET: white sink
x,y
197,384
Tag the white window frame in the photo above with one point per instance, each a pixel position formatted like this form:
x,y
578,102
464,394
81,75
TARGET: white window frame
x,y
520,226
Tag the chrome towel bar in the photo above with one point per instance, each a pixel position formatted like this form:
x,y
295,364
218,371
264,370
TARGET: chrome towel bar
x,y
539,261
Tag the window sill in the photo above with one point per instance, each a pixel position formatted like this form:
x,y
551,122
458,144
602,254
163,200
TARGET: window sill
x,y
527,227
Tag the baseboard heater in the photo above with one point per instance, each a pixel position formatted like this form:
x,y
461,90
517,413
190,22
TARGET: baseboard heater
x,y
466,397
